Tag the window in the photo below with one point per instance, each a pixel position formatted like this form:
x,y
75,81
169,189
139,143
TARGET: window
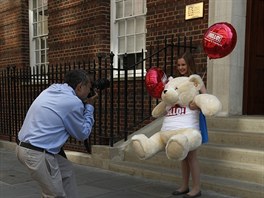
x,y
38,29
128,30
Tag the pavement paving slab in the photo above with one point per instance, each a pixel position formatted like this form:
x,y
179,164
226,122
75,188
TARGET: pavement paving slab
x,y
92,182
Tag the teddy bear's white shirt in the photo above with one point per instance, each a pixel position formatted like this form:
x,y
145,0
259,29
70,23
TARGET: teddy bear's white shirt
x,y
180,118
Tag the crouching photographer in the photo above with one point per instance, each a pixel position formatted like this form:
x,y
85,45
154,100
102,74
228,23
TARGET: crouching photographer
x,y
60,111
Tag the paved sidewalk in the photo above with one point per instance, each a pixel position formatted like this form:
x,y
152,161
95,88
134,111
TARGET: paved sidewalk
x,y
15,182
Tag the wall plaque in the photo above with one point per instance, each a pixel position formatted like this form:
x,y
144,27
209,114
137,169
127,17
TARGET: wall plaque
x,y
194,11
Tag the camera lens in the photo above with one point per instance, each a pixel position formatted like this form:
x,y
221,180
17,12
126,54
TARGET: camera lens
x,y
101,84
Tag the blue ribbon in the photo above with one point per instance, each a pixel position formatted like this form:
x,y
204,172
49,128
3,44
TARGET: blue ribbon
x,y
203,128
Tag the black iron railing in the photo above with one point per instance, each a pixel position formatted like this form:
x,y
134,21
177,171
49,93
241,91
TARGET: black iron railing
x,y
120,110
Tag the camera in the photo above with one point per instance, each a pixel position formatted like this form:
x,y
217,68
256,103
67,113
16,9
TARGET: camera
x,y
99,84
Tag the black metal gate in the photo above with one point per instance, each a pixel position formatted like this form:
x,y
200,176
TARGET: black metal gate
x,y
119,111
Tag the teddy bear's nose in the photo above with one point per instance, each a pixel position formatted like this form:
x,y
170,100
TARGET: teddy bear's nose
x,y
164,91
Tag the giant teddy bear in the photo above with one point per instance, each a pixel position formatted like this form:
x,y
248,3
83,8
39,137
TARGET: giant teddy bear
x,y
177,143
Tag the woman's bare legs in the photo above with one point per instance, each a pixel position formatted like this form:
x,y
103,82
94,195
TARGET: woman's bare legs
x,y
194,168
185,175
190,165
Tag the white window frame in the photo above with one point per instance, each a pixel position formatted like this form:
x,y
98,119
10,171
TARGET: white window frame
x,y
38,36
114,34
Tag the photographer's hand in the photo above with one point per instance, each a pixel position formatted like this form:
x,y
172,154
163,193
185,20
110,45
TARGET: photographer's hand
x,y
91,100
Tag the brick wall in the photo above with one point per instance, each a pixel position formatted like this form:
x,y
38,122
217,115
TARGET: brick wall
x,y
78,29
14,35
167,18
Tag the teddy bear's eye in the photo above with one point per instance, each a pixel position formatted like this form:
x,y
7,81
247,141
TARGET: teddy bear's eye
x,y
176,88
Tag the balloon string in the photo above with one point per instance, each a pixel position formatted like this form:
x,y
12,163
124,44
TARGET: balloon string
x,y
204,74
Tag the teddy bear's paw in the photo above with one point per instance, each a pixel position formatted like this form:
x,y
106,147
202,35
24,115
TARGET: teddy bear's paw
x,y
177,147
139,150
209,104
213,110
137,145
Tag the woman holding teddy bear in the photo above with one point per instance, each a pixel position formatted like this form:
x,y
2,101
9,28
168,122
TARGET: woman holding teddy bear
x,y
189,165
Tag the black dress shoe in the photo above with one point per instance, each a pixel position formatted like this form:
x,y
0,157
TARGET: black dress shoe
x,y
179,192
193,196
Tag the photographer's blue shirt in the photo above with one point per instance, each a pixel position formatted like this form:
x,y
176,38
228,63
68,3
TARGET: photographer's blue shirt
x,y
56,114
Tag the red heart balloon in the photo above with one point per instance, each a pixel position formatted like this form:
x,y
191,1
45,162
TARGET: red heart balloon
x,y
155,81
219,40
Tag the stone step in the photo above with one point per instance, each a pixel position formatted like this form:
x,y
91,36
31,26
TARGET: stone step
x,y
233,170
237,123
211,151
159,160
232,153
251,140
210,166
232,162
238,188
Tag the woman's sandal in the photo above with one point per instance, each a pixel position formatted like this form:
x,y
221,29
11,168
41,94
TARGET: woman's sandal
x,y
180,193
193,196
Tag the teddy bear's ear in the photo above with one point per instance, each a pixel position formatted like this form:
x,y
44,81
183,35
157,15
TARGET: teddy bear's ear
x,y
197,80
